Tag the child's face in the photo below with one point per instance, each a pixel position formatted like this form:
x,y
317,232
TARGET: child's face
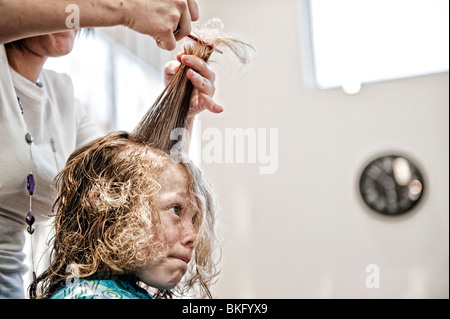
x,y
178,232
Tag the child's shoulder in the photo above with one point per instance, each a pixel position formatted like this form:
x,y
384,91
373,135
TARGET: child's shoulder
x,y
100,289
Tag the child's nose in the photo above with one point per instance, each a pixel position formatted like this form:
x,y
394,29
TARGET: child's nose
x,y
189,234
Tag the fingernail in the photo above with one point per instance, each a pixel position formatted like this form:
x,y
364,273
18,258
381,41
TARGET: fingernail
x,y
194,74
185,59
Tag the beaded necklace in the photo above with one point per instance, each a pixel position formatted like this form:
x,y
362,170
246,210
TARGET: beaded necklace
x,y
29,218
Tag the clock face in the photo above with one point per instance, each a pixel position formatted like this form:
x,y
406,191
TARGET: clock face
x,y
391,185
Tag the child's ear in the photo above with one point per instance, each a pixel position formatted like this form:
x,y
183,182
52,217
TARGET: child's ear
x,y
91,202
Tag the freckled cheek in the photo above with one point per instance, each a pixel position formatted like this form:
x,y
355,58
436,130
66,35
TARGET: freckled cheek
x,y
169,234
172,235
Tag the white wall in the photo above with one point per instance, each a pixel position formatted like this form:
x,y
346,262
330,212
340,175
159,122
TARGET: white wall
x,y
303,232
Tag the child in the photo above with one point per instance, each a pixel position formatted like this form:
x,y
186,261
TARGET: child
x,y
127,213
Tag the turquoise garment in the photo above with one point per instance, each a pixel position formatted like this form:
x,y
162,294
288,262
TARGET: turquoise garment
x,y
92,288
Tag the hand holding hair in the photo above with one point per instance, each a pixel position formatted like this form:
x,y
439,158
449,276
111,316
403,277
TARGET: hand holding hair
x,y
189,90
202,78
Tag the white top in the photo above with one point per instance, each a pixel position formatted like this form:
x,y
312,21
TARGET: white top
x,y
50,111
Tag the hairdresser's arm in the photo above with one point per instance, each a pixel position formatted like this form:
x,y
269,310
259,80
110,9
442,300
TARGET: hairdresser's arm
x,y
157,18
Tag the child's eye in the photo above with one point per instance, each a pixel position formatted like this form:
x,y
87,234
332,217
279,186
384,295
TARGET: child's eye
x,y
176,209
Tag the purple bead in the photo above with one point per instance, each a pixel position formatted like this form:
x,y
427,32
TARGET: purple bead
x,y
30,218
30,184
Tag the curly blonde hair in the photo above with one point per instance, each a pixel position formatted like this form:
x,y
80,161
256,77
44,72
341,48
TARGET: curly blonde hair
x,y
106,215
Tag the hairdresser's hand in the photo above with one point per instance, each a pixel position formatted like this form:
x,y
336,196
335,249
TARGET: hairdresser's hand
x,y
202,77
161,18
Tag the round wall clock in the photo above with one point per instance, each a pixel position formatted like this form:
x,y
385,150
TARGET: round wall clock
x,y
391,185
